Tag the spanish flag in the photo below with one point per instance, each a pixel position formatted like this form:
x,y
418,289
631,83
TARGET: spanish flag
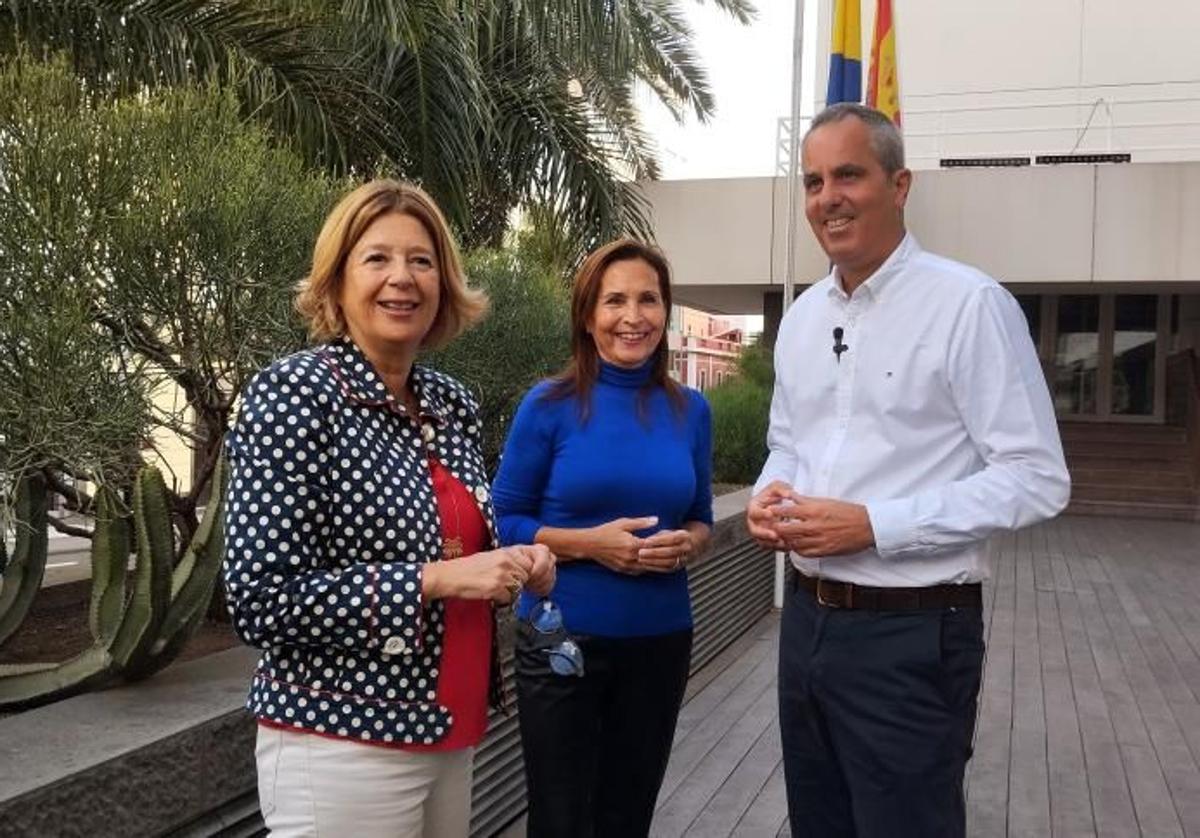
x,y
883,82
845,54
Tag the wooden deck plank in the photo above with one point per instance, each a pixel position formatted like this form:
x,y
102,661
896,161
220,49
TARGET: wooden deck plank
x,y
723,813
987,772
767,814
1070,792
677,812
737,652
733,672
1123,708
1173,755
1155,810
1112,803
1029,771
690,750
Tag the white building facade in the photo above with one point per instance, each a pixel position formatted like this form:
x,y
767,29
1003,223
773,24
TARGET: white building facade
x,y
1104,257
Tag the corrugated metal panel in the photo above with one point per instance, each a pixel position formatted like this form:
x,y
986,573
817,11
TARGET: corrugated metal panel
x,y
731,591
498,790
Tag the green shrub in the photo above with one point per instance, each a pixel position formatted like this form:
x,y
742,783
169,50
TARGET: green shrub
x,y
525,338
740,409
757,365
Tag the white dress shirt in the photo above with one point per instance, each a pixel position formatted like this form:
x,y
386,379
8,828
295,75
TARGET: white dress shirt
x,y
936,418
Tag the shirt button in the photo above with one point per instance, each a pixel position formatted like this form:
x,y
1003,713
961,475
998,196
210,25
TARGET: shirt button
x,y
395,646
481,494
428,433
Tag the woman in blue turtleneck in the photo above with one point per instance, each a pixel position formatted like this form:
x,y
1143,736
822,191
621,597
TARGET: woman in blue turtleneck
x,y
608,464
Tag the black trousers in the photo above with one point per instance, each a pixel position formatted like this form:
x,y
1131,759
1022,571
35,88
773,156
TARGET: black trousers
x,y
596,747
877,712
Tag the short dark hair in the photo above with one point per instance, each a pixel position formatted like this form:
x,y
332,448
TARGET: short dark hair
x,y
886,141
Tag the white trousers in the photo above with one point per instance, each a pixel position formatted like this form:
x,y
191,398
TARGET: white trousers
x,y
313,786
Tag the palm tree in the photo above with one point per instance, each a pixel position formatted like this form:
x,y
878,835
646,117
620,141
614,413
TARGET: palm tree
x,y
563,77
491,104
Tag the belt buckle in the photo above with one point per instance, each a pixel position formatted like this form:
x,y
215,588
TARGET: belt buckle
x,y
848,588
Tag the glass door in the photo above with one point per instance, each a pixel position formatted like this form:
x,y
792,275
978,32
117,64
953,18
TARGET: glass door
x,y
1077,356
1135,355
1105,358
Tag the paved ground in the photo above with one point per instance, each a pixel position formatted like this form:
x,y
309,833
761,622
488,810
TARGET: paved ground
x,y
68,558
1090,714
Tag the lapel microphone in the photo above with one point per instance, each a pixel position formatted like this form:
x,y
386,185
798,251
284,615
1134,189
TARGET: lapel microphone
x,y
838,346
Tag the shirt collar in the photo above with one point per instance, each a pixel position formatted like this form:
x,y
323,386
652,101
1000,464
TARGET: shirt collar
x,y
877,282
359,382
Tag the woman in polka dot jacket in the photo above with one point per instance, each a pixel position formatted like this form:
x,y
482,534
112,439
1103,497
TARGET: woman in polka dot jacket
x,y
609,465
360,540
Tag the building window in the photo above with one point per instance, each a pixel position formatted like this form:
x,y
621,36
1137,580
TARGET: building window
x,y
1031,306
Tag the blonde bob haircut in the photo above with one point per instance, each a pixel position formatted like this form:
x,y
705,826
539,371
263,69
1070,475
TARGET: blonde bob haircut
x,y
459,308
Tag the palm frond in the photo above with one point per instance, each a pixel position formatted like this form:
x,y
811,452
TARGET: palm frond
x,y
282,65
743,11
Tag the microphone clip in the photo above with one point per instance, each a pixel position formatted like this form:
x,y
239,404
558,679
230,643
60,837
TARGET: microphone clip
x,y
838,346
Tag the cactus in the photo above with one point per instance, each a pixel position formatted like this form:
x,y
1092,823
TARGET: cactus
x,y
192,585
135,634
28,685
23,576
110,561
152,573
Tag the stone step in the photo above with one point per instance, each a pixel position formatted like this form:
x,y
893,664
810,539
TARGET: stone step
x,y
1108,474
1136,494
1156,451
1104,432
1115,461
1116,509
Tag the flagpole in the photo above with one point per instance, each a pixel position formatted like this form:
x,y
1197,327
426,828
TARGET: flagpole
x,y
793,181
793,203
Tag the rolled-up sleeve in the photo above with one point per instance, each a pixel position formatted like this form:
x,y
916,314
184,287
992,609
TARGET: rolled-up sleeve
x,y
284,586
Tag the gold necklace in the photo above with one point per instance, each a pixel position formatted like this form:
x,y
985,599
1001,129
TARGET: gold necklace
x,y
452,548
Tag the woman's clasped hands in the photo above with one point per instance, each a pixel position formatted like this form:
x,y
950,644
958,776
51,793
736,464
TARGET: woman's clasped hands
x,y
498,575
616,546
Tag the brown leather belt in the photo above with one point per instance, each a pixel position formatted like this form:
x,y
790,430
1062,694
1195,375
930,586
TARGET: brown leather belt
x,y
832,594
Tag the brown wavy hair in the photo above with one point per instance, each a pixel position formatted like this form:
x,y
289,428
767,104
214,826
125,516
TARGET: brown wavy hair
x,y
459,305
579,377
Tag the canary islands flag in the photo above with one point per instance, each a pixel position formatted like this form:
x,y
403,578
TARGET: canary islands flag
x,y
845,54
883,82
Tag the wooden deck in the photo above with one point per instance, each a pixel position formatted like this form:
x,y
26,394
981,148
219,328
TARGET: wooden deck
x,y
1089,720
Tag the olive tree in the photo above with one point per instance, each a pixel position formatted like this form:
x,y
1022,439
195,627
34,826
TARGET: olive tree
x,y
148,243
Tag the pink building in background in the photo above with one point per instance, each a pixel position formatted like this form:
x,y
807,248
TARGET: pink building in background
x,y
704,347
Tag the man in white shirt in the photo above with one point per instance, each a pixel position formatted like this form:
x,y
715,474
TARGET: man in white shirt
x,y
910,420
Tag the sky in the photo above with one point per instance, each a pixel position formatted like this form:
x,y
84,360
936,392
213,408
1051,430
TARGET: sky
x,y
750,72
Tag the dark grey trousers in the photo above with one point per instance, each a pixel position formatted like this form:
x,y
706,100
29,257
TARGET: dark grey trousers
x,y
877,713
596,747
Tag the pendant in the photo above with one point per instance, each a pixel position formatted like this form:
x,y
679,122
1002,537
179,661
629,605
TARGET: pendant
x,y
452,548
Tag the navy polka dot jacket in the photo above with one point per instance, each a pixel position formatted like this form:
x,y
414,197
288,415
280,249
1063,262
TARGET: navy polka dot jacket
x,y
330,519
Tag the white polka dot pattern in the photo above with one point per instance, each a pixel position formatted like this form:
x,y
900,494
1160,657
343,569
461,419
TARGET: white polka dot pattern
x,y
330,519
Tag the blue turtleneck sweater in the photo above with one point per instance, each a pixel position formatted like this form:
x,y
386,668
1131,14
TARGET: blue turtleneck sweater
x,y
557,471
